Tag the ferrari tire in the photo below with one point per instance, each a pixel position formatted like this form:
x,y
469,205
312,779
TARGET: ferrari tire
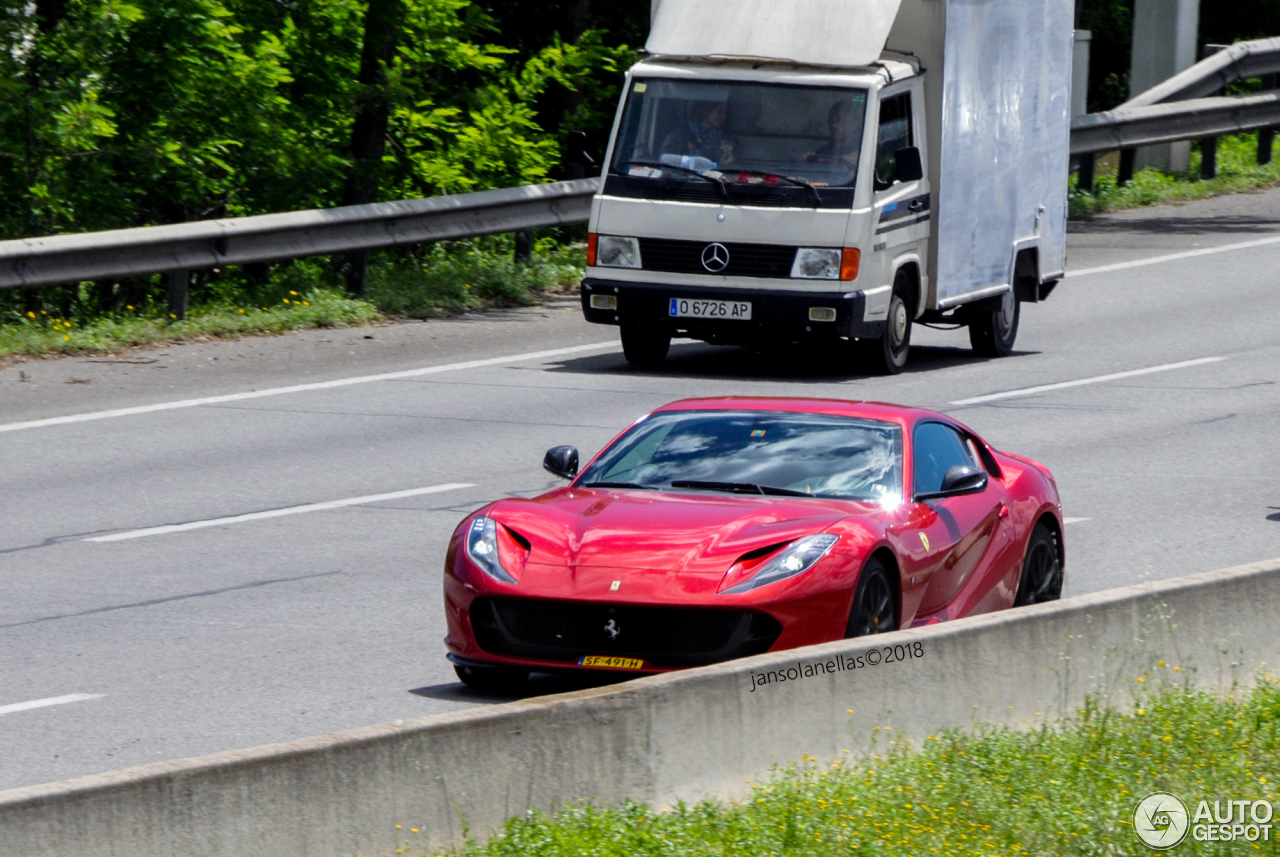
x,y
992,334
643,346
508,680
888,354
1041,578
875,609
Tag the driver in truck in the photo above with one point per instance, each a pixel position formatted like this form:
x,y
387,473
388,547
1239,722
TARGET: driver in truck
x,y
703,135
845,143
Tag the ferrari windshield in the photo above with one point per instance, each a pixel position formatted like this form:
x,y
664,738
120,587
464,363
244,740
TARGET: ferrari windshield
x,y
754,133
757,452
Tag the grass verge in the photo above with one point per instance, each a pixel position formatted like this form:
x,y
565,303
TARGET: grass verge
x,y
1068,788
439,281
40,335
1237,170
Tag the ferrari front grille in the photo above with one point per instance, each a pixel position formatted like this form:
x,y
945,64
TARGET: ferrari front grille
x,y
662,636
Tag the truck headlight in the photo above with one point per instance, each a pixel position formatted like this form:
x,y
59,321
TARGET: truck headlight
x,y
796,559
615,252
815,263
482,547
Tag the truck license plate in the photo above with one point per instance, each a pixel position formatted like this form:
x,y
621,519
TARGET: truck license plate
x,y
728,310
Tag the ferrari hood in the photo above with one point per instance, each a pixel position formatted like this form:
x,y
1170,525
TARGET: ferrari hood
x,y
672,532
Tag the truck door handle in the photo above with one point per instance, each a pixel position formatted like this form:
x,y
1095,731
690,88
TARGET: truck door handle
x,y
915,205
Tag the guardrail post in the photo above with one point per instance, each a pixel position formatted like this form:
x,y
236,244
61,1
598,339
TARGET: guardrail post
x,y
1084,174
1209,145
524,247
179,283
1125,174
1266,136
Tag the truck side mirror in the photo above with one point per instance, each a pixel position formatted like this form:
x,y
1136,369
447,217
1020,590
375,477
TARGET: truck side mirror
x,y
562,461
575,155
909,168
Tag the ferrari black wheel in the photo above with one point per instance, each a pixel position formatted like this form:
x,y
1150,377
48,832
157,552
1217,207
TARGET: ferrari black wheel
x,y
888,354
508,680
1041,570
992,334
875,610
644,347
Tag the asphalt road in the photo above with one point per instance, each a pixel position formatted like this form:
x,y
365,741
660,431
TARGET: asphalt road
x,y
206,638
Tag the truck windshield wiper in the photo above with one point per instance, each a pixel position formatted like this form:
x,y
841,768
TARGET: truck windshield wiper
x,y
658,165
620,485
798,182
738,488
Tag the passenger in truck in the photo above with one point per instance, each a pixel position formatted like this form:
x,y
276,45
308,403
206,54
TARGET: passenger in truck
x,y
844,144
703,135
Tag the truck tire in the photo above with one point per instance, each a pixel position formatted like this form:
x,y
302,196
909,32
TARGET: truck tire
x,y
644,346
888,354
992,333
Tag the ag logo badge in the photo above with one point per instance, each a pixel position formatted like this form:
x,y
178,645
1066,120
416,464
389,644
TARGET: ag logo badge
x,y
1161,820
715,258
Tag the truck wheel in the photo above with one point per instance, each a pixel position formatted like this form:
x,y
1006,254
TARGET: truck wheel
x,y
992,333
888,354
644,346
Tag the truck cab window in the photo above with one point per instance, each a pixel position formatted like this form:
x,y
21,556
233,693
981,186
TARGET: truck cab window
x,y
895,134
757,138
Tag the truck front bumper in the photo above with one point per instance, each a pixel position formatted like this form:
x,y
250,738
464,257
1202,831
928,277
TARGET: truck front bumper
x,y
776,315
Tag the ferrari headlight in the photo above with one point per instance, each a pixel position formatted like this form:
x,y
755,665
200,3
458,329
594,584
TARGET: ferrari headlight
x,y
615,252
482,547
816,264
796,559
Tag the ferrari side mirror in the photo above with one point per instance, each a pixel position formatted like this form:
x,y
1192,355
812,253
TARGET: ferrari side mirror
x,y
959,479
562,461
962,479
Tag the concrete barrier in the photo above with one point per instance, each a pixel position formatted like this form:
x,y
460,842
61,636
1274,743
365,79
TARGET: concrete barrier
x,y
688,735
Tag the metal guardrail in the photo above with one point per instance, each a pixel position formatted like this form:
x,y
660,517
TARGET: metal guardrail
x,y
1177,110
180,248
1174,110
1126,128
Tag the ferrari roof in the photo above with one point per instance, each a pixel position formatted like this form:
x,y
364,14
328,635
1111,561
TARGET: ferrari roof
x,y
836,407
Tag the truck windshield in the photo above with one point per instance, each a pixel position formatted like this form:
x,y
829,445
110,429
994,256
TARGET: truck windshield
x,y
759,135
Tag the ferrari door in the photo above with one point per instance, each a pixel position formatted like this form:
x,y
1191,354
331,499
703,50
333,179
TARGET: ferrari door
x,y
959,534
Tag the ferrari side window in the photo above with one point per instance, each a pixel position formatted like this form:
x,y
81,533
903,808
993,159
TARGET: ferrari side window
x,y
937,448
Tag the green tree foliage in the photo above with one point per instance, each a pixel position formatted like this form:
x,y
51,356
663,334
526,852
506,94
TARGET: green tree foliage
x,y
118,113
1111,23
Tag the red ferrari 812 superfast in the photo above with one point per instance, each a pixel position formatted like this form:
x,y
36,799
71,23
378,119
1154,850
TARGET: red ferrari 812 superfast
x,y
713,529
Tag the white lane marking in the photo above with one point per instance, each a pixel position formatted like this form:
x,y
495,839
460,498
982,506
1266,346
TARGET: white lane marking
x,y
45,703
303,388
1097,379
1075,520
1173,257
278,513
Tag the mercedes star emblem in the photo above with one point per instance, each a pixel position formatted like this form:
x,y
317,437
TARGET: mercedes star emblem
x,y
715,258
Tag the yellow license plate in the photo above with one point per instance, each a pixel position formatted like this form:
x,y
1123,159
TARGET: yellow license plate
x,y
611,663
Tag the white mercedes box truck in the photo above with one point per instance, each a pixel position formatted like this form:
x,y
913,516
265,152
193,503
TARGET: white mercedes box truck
x,y
785,171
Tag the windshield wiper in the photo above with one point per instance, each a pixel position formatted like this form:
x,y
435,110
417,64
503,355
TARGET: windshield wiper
x,y
738,488
620,485
658,165
798,182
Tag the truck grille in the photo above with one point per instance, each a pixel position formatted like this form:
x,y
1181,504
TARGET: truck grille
x,y
745,260
662,636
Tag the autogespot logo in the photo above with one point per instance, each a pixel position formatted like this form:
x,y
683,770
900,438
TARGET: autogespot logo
x,y
1161,820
